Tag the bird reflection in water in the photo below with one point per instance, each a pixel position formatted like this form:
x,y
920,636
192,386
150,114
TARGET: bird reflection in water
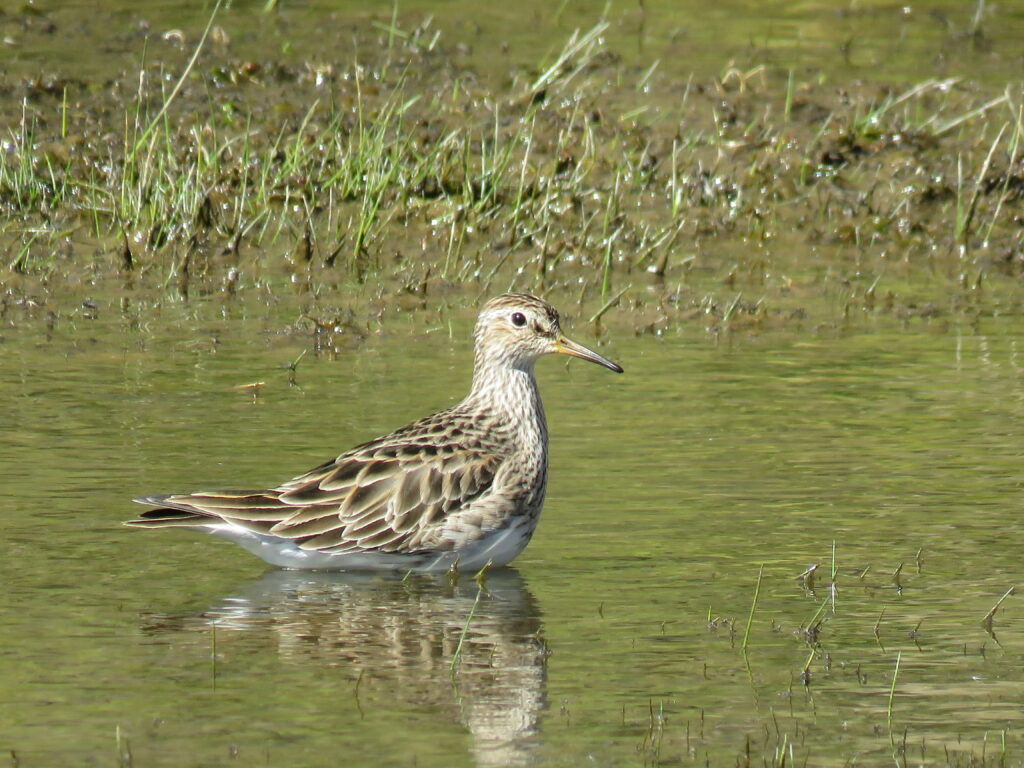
x,y
429,640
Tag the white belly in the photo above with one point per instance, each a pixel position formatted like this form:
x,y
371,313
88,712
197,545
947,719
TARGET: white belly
x,y
497,547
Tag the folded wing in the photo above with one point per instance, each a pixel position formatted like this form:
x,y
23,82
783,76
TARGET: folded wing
x,y
388,498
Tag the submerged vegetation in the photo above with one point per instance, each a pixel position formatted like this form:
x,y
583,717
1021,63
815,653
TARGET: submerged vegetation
x,y
754,198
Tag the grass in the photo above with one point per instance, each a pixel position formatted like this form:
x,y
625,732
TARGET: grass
x,y
838,669
753,607
570,177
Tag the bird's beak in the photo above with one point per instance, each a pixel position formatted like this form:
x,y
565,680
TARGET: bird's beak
x,y
565,346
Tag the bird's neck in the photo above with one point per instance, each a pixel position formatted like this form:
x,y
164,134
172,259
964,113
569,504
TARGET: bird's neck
x,y
511,392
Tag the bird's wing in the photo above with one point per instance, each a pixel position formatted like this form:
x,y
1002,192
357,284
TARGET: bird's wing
x,y
384,496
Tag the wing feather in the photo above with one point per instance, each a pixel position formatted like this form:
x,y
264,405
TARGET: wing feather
x,y
386,495
312,493
236,507
311,527
305,515
324,540
344,476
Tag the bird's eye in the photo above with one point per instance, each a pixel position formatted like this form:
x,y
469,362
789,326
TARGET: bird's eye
x,y
518,319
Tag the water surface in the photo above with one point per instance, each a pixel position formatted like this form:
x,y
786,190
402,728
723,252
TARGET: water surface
x,y
617,636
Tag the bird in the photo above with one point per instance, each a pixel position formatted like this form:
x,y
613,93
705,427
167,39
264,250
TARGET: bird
x,y
459,490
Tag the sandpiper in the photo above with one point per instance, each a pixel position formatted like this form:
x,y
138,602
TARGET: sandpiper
x,y
460,489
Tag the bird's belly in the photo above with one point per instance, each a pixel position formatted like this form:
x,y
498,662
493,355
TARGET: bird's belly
x,y
497,547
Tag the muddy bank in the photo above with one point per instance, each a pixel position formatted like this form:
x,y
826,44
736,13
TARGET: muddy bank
x,y
391,167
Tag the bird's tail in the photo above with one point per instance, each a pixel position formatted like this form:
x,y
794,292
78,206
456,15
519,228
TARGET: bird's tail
x,y
164,517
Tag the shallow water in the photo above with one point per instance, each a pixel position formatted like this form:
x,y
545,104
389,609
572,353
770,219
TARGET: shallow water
x,y
617,636
850,40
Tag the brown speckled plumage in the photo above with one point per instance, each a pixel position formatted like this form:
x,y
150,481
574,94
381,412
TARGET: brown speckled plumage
x,y
435,494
